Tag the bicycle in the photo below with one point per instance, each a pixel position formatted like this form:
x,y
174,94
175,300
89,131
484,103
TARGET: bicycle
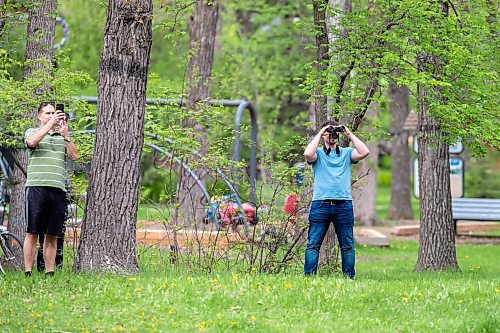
x,y
11,248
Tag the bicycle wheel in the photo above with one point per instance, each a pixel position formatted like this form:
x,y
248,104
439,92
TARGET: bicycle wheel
x,y
11,252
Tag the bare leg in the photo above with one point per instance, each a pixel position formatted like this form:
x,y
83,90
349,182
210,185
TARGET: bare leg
x,y
49,252
29,251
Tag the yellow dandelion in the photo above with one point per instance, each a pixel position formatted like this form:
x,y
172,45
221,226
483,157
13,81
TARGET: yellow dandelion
x,y
287,285
268,290
131,279
253,318
202,326
121,328
405,299
235,277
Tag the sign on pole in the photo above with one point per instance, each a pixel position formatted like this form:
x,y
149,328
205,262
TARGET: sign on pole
x,y
456,177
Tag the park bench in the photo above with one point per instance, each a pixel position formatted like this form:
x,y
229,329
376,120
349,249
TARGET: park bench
x,y
475,209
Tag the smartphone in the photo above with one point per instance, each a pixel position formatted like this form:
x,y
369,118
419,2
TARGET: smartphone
x,y
60,108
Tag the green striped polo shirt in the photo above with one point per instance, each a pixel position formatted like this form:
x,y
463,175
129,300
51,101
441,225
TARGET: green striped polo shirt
x,y
47,161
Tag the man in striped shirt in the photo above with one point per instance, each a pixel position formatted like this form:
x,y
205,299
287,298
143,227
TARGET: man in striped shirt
x,y
48,147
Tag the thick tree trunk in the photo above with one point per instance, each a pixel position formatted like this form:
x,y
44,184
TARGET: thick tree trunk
x,y
365,193
108,236
37,63
203,30
400,206
437,234
437,231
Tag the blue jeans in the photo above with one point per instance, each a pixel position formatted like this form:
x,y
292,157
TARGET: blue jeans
x,y
322,213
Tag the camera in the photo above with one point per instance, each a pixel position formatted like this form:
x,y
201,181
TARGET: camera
x,y
335,129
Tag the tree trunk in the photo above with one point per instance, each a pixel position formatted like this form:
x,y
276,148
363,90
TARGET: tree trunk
x,y
2,16
400,206
203,29
108,235
437,234
319,104
37,63
365,193
329,250
437,231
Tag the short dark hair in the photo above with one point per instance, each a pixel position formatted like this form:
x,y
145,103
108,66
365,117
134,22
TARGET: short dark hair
x,y
44,104
330,122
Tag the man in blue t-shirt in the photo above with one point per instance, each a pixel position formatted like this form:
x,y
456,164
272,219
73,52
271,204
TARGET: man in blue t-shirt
x,y
332,201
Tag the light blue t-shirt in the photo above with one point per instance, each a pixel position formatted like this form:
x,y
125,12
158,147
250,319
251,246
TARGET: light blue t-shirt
x,y
332,175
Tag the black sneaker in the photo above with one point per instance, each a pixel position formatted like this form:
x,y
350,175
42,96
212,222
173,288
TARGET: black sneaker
x,y
27,273
49,273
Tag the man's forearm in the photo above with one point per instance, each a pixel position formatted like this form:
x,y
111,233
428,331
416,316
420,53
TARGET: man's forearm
x,y
359,145
71,151
36,137
312,146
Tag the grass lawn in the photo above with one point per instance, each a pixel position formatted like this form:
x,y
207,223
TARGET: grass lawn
x,y
386,297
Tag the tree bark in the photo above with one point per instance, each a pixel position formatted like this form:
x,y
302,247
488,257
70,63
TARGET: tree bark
x,y
38,58
108,234
2,16
203,30
319,103
437,234
437,231
400,206
329,250
365,193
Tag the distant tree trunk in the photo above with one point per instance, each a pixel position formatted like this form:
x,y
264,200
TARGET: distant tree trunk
x,y
38,58
203,30
108,236
2,16
365,193
324,39
437,233
400,207
319,110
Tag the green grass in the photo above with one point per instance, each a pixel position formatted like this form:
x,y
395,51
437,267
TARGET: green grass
x,y
152,212
383,201
387,296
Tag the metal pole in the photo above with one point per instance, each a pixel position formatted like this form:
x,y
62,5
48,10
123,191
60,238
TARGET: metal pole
x,y
241,105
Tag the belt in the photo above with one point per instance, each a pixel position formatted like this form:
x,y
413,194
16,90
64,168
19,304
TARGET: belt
x,y
333,201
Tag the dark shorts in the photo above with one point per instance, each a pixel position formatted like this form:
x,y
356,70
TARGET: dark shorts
x,y
45,210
